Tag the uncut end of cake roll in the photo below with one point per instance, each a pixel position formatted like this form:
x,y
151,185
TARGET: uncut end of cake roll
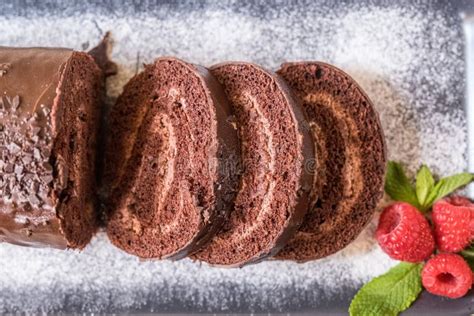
x,y
351,158
171,161
278,175
50,100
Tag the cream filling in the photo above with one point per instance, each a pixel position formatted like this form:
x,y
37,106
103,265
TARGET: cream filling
x,y
129,140
266,171
186,200
161,127
211,154
166,160
165,176
352,167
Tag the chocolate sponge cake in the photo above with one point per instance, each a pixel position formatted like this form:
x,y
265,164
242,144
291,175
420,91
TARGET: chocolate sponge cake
x,y
49,115
170,161
275,186
351,158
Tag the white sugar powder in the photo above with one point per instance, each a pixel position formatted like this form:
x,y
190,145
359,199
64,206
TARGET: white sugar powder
x,y
409,61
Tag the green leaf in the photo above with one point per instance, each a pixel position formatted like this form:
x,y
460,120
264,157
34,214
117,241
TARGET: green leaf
x,y
390,293
424,184
468,255
447,186
397,185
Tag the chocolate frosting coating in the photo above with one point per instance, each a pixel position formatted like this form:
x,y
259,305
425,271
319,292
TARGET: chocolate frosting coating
x,y
101,55
29,83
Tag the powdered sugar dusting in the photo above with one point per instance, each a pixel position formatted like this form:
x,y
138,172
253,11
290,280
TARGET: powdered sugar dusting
x,y
408,60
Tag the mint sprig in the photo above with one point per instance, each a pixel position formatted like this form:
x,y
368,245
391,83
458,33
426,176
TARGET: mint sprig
x,y
447,185
426,191
398,186
424,184
389,294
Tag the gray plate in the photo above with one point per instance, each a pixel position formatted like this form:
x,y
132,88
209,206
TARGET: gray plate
x,y
426,305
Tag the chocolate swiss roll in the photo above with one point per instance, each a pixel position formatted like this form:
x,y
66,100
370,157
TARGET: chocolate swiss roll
x,y
277,152
170,161
351,158
49,117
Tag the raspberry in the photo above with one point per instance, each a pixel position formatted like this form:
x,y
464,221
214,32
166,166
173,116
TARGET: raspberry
x,y
404,233
452,219
447,275
471,225
458,200
462,201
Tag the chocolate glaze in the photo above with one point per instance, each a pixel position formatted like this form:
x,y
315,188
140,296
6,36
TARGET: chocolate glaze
x,y
101,55
32,177
27,207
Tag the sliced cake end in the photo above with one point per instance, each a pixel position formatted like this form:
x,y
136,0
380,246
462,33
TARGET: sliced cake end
x,y
168,143
351,158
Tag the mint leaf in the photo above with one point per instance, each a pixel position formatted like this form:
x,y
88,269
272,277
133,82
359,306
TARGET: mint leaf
x,y
446,186
468,255
424,184
397,185
390,293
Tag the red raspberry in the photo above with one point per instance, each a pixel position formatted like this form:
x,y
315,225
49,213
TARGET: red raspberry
x,y
452,223
471,225
447,275
404,233
462,201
